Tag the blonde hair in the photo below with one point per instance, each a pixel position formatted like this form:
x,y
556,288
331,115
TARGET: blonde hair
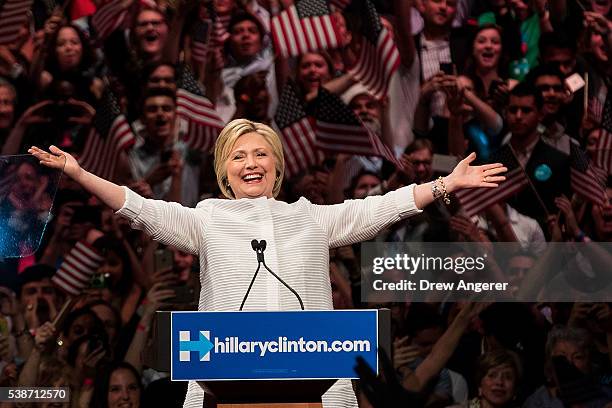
x,y
228,137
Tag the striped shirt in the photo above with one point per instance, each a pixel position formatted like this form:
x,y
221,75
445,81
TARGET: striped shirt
x,y
298,237
434,53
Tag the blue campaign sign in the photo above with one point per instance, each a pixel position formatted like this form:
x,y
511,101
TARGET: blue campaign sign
x,y
272,345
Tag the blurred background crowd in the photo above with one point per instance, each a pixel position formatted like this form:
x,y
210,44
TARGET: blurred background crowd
x,y
369,95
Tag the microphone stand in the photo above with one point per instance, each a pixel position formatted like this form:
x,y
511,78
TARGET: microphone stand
x,y
259,248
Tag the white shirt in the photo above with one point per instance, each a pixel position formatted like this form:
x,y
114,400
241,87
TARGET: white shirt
x,y
264,61
298,237
527,230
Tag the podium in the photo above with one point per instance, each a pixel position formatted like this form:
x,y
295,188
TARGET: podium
x,y
267,359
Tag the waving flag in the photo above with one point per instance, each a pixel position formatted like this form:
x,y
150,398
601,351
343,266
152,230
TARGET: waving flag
x,y
111,16
297,130
603,151
340,130
110,135
586,180
378,58
200,40
13,15
305,27
75,272
475,200
220,25
204,122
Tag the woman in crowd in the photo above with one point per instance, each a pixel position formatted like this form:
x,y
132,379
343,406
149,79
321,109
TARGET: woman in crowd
x,y
569,372
497,375
316,69
486,65
118,385
71,58
115,283
249,164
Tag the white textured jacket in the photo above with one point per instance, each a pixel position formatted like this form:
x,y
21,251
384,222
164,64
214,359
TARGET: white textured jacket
x,y
298,237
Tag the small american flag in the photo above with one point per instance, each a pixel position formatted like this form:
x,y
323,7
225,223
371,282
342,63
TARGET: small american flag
x,y
298,134
304,27
191,105
378,58
200,38
220,25
111,16
220,29
110,135
586,180
13,15
603,151
474,200
594,109
339,130
75,272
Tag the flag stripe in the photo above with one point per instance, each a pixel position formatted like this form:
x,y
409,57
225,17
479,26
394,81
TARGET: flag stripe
x,y
379,57
294,34
13,15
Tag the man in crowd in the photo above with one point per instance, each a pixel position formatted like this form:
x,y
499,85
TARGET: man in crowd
x,y
546,167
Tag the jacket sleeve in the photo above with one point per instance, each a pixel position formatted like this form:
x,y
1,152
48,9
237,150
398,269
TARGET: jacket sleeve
x,y
167,223
360,220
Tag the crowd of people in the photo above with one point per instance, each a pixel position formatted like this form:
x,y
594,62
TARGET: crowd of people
x,y
474,76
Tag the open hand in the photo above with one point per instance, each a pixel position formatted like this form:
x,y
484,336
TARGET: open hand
x,y
466,176
57,159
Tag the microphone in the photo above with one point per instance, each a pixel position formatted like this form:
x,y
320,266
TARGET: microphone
x,y
259,247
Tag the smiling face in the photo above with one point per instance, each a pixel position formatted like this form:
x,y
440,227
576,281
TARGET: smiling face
x,y
151,32
552,91
251,170
159,113
497,386
245,40
123,389
438,13
313,72
163,76
68,48
487,49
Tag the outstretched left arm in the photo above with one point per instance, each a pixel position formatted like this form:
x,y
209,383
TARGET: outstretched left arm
x,y
359,220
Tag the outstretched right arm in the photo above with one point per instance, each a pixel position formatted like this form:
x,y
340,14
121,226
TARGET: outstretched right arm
x,y
108,192
168,223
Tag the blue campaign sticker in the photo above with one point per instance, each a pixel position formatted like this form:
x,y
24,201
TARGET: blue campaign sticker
x,y
543,172
211,346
